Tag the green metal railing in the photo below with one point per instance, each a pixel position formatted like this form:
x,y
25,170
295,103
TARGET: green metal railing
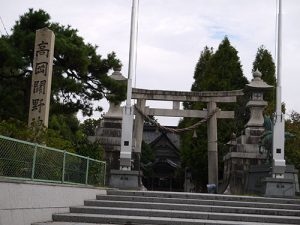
x,y
25,160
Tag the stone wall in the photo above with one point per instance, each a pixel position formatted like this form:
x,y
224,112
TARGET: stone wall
x,y
23,203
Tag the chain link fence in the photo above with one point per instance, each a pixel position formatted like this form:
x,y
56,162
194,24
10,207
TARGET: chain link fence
x,y
25,160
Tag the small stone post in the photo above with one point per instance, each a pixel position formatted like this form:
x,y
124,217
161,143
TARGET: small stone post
x,y
41,78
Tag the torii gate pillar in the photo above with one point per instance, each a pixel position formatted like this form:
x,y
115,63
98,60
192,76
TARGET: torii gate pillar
x,y
212,146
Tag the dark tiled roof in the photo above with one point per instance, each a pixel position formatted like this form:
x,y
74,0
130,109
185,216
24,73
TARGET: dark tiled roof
x,y
164,161
150,134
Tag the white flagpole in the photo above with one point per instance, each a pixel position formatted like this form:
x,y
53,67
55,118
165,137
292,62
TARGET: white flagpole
x,y
127,120
278,131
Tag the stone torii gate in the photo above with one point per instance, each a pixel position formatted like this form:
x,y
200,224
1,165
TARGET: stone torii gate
x,y
210,97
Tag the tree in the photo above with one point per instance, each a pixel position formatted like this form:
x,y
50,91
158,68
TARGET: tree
x,y
201,67
147,155
265,64
199,75
64,132
19,130
89,126
292,146
79,73
79,78
194,151
219,71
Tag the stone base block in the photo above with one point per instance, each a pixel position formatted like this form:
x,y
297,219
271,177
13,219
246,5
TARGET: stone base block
x,y
255,179
276,187
124,179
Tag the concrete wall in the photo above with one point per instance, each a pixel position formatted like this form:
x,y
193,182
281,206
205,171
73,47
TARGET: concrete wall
x,y
23,203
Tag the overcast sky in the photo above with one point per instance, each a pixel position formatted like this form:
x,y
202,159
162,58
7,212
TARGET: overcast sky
x,y
172,33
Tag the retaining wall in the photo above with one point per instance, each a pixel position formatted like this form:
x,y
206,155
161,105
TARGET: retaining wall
x,y
23,203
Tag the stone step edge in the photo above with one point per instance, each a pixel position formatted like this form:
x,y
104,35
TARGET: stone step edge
x,y
146,220
184,214
195,208
187,195
69,223
203,200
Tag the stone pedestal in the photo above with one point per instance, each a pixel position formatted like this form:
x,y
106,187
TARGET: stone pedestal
x,y
124,179
236,167
260,181
255,179
279,187
109,136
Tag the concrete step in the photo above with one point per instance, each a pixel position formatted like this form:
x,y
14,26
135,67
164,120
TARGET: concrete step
x,y
188,207
185,214
174,208
70,223
90,219
203,196
198,202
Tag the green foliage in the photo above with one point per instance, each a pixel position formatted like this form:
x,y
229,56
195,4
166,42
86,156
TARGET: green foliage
x,y
93,150
15,129
19,130
194,153
79,78
55,140
147,157
147,154
265,64
84,146
150,121
292,146
69,128
201,68
200,75
79,73
65,125
64,133
13,81
89,126
219,71
224,70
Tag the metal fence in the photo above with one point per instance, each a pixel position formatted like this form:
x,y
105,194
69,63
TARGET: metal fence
x,y
25,160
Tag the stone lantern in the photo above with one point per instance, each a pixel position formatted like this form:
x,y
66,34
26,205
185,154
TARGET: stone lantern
x,y
256,105
108,134
115,110
244,151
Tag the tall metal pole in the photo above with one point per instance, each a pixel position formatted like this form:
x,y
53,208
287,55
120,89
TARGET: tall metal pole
x,y
127,119
279,61
278,131
132,49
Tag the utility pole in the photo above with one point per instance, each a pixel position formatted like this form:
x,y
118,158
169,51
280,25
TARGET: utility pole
x,y
127,119
278,131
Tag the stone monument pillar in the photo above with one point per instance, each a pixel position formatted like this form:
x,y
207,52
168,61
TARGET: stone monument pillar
x,y
41,78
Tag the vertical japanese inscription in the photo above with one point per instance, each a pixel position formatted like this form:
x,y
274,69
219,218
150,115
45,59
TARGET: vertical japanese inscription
x,y
41,78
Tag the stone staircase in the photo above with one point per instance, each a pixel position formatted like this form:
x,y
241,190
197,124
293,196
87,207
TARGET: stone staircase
x,y
172,208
